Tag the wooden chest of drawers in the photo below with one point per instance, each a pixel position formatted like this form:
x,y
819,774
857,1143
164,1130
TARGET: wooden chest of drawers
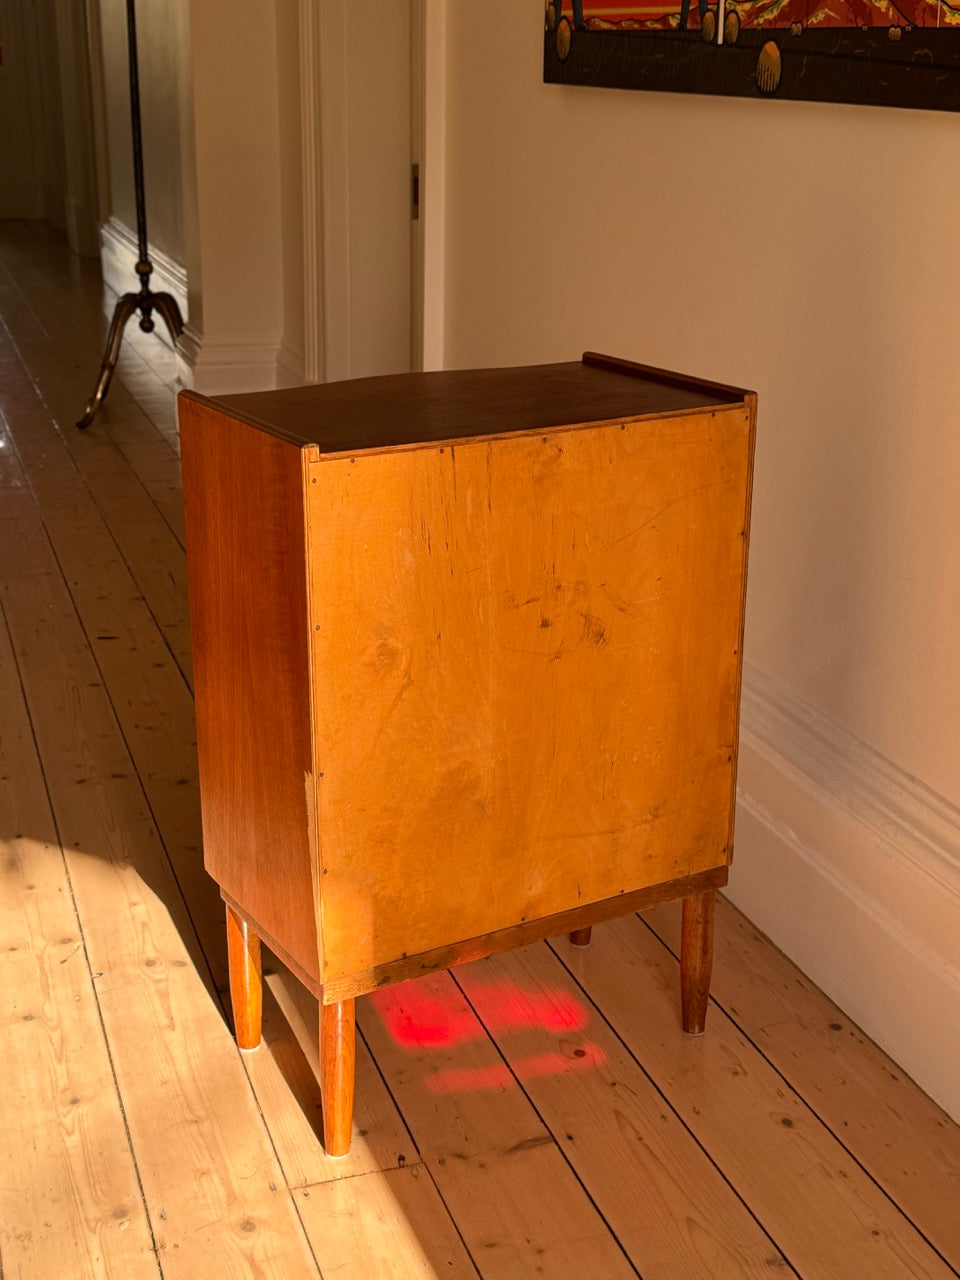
x,y
467,654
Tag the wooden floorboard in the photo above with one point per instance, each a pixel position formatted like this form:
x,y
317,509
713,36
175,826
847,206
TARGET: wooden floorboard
x,y
826,1215
613,1126
211,1181
900,1136
134,505
518,1205
536,1114
145,684
395,1222
78,1164
381,1139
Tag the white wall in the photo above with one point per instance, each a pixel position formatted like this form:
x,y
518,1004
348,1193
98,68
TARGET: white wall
x,y
377,138
291,358
220,110
163,73
804,250
31,176
243,222
162,35
81,212
357,75
46,121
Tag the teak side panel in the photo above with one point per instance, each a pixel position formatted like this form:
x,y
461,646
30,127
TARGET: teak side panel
x,y
243,498
526,657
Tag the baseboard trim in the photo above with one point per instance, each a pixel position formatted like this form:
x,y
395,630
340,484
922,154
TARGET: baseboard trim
x,y
853,868
854,778
222,368
290,366
118,259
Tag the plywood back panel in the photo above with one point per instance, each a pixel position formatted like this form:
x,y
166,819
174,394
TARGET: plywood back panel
x,y
243,497
526,664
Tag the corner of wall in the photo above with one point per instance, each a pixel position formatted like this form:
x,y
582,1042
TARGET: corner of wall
x,y
853,868
118,259
290,365
220,368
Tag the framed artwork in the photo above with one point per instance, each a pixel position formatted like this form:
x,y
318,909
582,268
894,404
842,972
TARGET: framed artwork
x,y
896,53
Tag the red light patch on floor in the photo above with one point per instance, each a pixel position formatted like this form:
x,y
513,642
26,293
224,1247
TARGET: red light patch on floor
x,y
419,1019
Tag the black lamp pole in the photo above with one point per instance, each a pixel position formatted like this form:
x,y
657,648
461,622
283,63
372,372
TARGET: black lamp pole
x,y
144,301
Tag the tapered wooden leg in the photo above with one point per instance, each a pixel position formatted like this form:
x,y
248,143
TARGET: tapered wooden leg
x,y
337,1064
581,937
696,960
246,980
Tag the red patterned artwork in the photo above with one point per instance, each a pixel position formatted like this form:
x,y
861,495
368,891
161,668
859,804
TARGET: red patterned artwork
x,y
882,52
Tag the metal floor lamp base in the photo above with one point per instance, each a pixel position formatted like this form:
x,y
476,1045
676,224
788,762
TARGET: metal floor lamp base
x,y
145,302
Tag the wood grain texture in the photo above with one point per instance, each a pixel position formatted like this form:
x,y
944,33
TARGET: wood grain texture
x,y
612,1126
157,467
535,650
69,1200
500,1173
887,1123
696,961
286,1078
827,1216
152,703
279,949
152,553
205,1161
408,409
52,310
243,503
147,532
393,1226
246,980
337,1033
518,935
722,392
751,412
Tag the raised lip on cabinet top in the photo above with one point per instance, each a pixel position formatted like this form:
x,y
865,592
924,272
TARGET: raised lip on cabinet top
x,y
425,409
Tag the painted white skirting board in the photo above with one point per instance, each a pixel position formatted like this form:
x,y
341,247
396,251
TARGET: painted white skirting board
x,y
118,260
222,368
290,366
853,869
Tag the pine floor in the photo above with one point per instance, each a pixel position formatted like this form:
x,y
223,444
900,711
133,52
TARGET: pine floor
x,y
536,1114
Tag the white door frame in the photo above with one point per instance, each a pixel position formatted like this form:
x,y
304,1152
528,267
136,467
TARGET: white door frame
x,y
326,202
429,72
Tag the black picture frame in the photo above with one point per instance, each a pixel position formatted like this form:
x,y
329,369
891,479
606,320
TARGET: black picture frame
x,y
900,64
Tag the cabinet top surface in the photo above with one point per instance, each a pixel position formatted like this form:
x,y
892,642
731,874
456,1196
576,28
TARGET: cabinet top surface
x,y
421,408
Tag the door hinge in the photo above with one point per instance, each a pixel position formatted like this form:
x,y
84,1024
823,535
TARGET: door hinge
x,y
415,192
